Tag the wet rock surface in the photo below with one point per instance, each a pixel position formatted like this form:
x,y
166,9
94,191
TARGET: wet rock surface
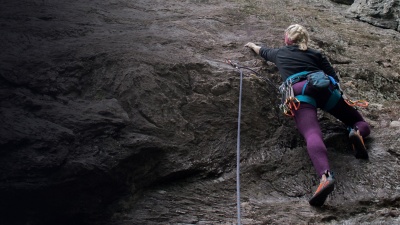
x,y
124,112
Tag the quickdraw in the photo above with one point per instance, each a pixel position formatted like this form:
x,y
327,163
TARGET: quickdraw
x,y
268,81
235,65
289,102
353,103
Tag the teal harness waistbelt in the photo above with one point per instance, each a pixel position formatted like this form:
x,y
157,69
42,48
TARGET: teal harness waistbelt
x,y
297,77
332,101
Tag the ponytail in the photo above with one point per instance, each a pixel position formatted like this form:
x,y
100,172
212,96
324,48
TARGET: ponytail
x,y
297,34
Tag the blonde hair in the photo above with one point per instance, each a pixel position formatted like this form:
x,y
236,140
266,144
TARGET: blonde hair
x,y
297,34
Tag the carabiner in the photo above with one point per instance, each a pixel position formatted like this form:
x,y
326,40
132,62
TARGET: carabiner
x,y
228,61
360,103
295,103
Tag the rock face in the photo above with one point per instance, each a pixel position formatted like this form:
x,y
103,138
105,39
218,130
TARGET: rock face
x,y
124,112
385,14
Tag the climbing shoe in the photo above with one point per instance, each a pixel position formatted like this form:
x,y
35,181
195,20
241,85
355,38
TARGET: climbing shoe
x,y
324,189
357,142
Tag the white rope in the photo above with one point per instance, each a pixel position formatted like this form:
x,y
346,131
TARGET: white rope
x,y
238,151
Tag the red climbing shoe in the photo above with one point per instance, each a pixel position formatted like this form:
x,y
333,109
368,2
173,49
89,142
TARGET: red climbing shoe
x,y
324,189
356,140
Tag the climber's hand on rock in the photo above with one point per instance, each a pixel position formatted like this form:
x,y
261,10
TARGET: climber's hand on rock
x,y
250,45
254,47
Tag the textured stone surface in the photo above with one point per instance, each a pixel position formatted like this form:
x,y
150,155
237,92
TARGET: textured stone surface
x,y
124,112
385,14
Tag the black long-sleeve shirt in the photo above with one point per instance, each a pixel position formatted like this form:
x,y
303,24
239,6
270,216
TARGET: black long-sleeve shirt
x,y
291,60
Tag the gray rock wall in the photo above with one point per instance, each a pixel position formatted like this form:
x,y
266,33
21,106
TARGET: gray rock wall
x,y
124,112
385,14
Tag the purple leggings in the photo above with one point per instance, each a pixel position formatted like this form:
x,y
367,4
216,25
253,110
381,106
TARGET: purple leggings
x,y
308,126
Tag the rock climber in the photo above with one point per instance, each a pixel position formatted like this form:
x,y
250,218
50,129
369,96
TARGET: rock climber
x,y
296,60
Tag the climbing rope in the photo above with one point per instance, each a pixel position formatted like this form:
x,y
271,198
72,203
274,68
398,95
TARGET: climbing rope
x,y
238,142
238,150
240,68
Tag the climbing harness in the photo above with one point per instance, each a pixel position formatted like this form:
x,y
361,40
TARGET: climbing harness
x,y
290,102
